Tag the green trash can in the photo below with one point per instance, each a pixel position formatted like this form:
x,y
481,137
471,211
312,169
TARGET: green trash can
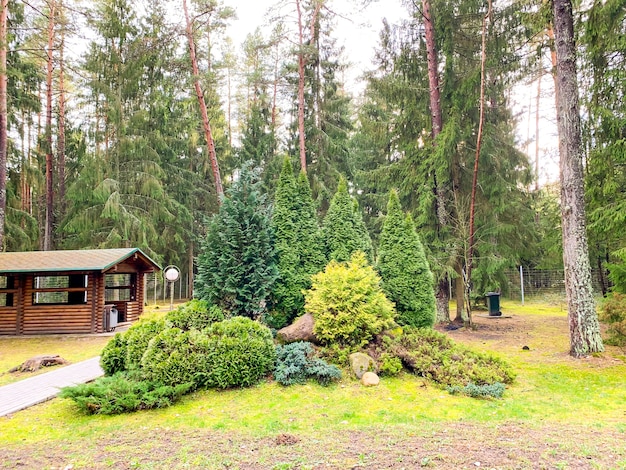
x,y
493,303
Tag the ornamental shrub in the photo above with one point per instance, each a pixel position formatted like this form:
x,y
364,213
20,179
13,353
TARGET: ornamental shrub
x,y
613,314
402,265
241,353
237,265
295,363
196,314
122,393
495,390
433,355
176,357
113,356
348,304
137,338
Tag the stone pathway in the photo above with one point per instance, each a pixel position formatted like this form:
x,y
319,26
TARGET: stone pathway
x,y
29,392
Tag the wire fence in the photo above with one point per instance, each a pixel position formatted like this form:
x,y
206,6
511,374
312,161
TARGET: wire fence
x,y
526,282
158,289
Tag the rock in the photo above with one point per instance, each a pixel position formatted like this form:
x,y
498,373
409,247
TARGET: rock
x,y
299,330
370,379
360,363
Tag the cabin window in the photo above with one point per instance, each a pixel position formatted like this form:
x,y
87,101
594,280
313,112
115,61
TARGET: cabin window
x,y
71,290
120,287
7,289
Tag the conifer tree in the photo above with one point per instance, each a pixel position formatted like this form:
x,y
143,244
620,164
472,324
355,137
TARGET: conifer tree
x,y
297,248
344,231
406,277
237,265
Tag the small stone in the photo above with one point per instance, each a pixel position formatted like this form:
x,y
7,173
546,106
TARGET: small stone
x,y
370,379
477,464
360,363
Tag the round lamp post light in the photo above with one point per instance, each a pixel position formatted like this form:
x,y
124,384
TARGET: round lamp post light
x,y
171,274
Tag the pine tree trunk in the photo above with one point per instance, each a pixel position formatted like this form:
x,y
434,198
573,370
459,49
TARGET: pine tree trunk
x,y
442,289
583,321
61,136
49,224
301,64
205,118
3,119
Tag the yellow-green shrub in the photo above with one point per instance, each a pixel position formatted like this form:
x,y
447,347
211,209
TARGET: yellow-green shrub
x,y
348,304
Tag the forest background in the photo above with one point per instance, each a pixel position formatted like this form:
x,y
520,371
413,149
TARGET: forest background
x,y
107,148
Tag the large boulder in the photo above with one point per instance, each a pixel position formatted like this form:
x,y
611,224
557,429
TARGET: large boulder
x,y
299,330
360,363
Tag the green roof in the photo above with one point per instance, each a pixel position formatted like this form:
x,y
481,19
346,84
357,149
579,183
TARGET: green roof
x,y
71,260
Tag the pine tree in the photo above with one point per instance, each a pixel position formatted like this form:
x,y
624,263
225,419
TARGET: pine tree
x,y
344,231
403,268
237,265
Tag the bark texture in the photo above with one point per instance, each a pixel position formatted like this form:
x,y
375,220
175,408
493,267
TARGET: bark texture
x,y
3,118
205,117
583,321
442,289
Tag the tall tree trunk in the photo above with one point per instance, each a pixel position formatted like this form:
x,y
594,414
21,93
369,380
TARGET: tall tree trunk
x,y
302,61
49,224
442,293
3,119
583,321
479,139
61,136
205,118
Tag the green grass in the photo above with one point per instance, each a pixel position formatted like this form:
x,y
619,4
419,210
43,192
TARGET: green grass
x,y
551,390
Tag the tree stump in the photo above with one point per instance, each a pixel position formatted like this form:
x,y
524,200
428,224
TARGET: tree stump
x,y
37,362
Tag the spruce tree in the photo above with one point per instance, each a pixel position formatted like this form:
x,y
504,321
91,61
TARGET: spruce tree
x,y
297,248
344,231
237,266
403,268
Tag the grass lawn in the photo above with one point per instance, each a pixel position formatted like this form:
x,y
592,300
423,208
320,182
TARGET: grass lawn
x,y
559,413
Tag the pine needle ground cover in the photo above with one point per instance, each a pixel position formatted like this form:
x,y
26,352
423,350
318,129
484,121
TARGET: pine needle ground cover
x,y
559,413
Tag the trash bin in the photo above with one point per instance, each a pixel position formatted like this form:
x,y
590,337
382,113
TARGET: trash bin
x,y
493,304
110,317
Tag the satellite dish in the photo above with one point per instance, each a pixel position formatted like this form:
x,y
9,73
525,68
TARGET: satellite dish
x,y
171,273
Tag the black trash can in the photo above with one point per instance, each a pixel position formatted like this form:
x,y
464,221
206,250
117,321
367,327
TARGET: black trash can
x,y
493,303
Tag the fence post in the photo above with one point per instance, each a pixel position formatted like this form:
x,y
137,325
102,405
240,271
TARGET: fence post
x,y
521,281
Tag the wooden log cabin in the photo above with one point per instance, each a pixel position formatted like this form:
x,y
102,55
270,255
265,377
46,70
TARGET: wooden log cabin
x,y
45,292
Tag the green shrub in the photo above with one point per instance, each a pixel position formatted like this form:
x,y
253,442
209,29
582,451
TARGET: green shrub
x,y
295,363
197,314
137,338
432,355
175,357
348,304
113,356
241,352
389,365
495,390
613,314
122,393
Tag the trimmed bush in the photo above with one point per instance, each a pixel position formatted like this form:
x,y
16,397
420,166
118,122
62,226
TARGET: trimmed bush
x,y
613,314
137,338
295,363
348,304
241,353
113,356
196,314
175,357
122,393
